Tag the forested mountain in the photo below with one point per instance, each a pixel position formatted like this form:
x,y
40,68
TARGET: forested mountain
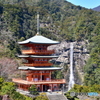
x,y
97,8
59,20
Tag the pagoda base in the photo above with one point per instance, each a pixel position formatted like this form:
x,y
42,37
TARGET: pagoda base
x,y
42,86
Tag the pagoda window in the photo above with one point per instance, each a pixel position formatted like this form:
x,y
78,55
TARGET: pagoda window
x,y
35,79
36,59
39,45
45,60
47,71
40,59
42,71
35,72
47,79
36,46
26,48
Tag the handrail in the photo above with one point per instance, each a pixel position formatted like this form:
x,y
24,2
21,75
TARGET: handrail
x,y
38,64
38,51
39,81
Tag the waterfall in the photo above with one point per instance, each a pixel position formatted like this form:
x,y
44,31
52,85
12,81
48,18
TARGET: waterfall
x,y
71,77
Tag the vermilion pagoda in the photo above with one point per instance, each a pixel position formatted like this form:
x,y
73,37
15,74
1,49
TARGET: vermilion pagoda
x,y
39,69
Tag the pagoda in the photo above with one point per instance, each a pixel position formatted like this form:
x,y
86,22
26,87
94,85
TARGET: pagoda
x,y
37,66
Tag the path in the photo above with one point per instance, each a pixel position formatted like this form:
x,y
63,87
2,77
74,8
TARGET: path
x,y
56,96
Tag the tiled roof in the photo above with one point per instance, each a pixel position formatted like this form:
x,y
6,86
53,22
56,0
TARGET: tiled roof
x,y
36,56
39,39
39,68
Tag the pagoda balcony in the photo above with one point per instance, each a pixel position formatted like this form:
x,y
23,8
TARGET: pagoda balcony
x,y
52,81
38,64
38,52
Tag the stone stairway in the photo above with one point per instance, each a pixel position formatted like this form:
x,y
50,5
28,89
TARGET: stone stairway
x,y
57,96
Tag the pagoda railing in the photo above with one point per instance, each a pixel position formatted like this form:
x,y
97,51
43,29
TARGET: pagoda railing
x,y
40,52
38,64
61,81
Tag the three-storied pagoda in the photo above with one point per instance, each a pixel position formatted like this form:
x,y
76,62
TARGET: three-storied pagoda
x,y
39,69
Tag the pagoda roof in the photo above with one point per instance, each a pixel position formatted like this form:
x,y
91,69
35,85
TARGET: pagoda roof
x,y
39,68
39,39
36,56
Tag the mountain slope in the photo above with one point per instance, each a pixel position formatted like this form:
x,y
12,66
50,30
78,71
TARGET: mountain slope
x,y
59,20
97,9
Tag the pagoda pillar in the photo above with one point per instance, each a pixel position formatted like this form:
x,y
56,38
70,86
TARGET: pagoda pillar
x,y
51,87
19,86
50,75
41,76
42,87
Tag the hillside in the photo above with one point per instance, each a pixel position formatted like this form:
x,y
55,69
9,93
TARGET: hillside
x,y
97,9
59,20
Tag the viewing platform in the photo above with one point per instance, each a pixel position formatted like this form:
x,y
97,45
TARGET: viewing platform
x,y
52,81
38,64
38,52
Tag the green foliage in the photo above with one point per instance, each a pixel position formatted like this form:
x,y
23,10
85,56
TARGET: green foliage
x,y
82,89
92,68
33,90
1,82
7,88
17,96
1,8
85,89
70,97
57,75
42,96
73,24
59,20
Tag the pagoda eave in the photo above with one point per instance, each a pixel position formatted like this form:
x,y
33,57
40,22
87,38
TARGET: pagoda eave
x,y
36,56
36,43
38,39
38,68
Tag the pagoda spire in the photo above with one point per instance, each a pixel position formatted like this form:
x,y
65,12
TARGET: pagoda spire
x,y
38,24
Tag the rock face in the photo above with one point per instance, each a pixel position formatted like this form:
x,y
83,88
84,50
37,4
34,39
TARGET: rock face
x,y
81,54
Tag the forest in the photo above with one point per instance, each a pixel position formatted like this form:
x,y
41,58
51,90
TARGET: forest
x,y
59,20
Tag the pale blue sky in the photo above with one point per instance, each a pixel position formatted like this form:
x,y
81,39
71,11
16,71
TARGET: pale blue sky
x,y
85,3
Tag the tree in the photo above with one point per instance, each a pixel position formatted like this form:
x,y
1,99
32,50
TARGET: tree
x,y
1,82
42,96
17,96
8,67
8,88
33,90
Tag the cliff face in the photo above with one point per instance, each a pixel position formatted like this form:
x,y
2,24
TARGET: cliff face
x,y
81,54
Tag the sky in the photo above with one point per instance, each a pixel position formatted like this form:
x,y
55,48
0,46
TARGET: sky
x,y
85,3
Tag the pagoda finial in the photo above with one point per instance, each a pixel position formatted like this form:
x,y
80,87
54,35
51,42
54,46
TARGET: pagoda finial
x,y
38,25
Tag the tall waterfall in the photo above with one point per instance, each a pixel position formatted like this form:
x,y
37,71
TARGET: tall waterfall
x,y
71,77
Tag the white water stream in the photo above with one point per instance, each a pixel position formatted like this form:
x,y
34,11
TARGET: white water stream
x,y
71,77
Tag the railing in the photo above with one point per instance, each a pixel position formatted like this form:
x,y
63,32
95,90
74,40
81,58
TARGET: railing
x,y
59,81
40,52
38,64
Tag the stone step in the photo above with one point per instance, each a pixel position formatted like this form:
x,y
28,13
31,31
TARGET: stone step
x,y
57,97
